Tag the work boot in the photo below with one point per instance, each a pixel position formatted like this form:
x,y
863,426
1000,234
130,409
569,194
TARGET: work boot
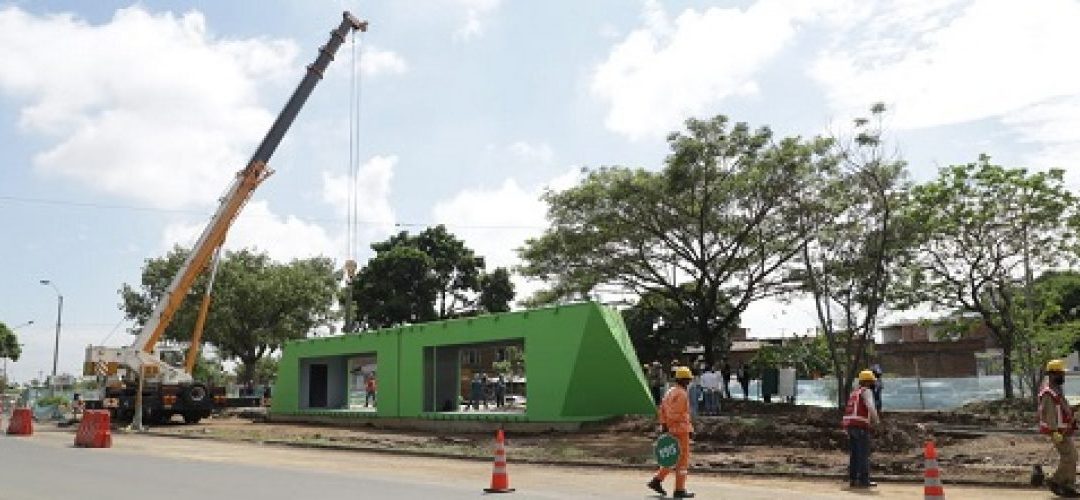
x,y
657,486
682,494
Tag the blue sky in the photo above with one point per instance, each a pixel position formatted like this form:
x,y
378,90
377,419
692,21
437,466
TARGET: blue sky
x,y
121,123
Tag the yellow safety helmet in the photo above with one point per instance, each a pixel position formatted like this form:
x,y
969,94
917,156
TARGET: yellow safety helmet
x,y
867,376
683,373
1055,365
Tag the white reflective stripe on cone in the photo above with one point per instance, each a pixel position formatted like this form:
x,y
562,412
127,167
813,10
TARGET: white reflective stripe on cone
x,y
933,481
499,470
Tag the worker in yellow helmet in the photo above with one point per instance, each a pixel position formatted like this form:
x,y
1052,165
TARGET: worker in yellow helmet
x,y
1056,420
860,417
675,419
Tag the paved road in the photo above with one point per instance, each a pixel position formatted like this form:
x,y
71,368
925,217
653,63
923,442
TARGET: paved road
x,y
46,466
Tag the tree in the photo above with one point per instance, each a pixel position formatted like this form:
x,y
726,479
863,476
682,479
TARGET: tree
x,y
657,328
257,304
979,224
423,277
457,269
9,344
265,371
718,224
496,291
395,287
857,229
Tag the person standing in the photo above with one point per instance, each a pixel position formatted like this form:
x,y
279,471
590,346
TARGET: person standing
x,y
674,416
1056,420
709,384
500,392
860,418
476,391
877,387
725,377
744,380
656,381
370,388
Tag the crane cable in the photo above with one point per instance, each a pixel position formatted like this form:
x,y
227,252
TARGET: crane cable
x,y
352,216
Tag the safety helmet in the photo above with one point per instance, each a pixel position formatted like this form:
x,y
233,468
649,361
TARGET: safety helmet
x,y
683,373
867,376
1055,365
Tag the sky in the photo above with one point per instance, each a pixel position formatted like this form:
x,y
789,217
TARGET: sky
x,y
122,123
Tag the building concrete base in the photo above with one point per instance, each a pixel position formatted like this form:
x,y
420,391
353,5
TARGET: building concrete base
x,y
477,425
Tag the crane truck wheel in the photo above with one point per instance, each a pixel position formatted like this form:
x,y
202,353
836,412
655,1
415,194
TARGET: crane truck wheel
x,y
192,417
196,393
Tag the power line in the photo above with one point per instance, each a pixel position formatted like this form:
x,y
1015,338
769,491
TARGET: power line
x,y
136,208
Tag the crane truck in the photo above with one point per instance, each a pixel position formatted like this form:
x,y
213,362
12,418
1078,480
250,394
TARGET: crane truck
x,y
157,376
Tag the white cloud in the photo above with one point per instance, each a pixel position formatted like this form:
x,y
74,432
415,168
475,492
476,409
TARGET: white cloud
x,y
373,211
476,13
147,106
943,63
496,221
532,153
282,237
375,62
667,71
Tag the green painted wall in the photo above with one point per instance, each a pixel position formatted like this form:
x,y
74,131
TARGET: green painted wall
x,y
579,363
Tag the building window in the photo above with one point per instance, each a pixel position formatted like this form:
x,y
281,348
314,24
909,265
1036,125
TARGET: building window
x,y
470,357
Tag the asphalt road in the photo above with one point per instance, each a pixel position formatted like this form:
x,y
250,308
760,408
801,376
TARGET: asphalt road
x,y
46,466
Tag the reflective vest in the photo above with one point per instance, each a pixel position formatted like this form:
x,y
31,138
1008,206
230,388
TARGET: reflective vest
x,y
856,413
675,411
1065,422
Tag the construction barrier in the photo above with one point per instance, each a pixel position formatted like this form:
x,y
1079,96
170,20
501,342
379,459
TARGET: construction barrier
x,y
500,480
22,422
932,488
94,431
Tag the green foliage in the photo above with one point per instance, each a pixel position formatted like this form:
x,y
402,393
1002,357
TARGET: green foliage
x,y
658,328
264,373
496,291
859,230
456,268
808,355
979,224
9,344
423,277
257,304
513,365
210,371
721,217
52,401
396,287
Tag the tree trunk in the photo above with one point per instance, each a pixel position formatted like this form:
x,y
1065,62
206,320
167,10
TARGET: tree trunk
x,y
1007,371
708,339
247,373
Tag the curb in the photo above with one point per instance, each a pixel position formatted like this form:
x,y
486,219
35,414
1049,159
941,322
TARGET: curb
x,y
708,471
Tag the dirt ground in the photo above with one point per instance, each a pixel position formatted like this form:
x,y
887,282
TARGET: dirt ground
x,y
988,442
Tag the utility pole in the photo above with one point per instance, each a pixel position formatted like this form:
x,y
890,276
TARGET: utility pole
x,y
56,345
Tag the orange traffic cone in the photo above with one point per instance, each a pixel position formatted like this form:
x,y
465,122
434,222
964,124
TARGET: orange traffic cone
x,y
932,489
500,480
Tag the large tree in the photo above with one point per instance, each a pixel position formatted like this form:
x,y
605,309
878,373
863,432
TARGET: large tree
x,y
982,228
718,224
257,304
858,234
9,348
457,269
423,277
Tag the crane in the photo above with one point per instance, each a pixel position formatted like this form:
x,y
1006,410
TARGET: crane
x,y
168,388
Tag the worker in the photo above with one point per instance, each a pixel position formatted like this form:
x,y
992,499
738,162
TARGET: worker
x,y
860,417
878,387
675,420
1056,420
370,388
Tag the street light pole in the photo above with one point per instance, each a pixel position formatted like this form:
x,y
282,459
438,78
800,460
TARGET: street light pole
x,y
56,345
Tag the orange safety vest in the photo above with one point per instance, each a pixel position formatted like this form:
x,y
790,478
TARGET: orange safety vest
x,y
856,413
1066,423
675,411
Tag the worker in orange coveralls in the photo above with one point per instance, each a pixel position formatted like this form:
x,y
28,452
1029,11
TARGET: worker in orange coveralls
x,y
675,420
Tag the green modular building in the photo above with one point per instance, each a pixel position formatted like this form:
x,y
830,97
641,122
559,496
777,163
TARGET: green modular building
x,y
575,364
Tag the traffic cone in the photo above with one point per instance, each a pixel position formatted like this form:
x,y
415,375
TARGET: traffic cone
x,y
932,489
500,480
